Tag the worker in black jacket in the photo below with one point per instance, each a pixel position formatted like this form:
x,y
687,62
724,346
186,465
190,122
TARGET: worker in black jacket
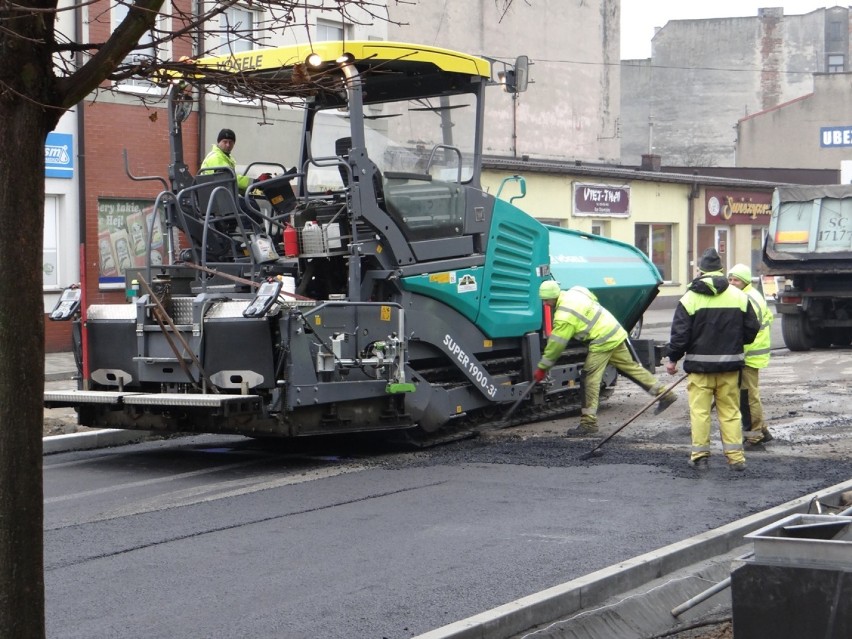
x,y
712,323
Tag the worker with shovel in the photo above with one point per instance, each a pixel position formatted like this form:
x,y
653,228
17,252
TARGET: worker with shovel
x,y
578,315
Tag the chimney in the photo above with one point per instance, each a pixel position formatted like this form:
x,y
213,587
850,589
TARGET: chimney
x,y
650,162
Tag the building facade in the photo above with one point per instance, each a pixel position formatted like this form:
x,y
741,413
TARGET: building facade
x,y
813,131
734,67
571,110
671,217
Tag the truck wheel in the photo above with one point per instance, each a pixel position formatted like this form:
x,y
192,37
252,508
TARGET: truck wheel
x,y
794,331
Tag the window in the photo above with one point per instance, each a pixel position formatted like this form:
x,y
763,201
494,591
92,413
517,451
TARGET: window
x,y
50,245
330,30
145,51
837,30
600,227
237,27
835,63
655,240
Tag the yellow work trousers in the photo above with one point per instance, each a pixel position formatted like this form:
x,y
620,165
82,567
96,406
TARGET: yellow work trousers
x,y
593,371
703,388
750,405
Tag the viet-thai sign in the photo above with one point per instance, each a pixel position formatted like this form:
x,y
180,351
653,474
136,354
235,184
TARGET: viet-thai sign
x,y
737,207
601,200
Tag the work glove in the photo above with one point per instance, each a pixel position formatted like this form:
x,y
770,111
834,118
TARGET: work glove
x,y
539,375
264,176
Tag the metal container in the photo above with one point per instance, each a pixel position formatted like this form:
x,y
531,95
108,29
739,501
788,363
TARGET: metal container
x,y
799,582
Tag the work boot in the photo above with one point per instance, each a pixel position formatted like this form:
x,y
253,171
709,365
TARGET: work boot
x,y
702,463
737,466
767,436
582,431
664,402
756,446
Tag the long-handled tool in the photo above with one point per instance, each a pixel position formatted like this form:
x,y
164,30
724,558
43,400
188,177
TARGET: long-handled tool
x,y
596,452
505,421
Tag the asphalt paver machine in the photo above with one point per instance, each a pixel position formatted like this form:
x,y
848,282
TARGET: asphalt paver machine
x,y
375,286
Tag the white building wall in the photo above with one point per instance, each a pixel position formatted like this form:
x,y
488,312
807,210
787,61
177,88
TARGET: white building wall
x,y
791,135
62,208
571,109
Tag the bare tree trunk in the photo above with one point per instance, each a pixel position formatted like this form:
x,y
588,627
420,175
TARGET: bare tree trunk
x,y
22,136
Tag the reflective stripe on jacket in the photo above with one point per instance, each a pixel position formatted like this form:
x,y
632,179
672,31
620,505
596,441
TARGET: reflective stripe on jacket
x,y
712,323
216,158
579,316
757,353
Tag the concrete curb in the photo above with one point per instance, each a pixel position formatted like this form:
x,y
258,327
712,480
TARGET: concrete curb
x,y
91,440
521,615
59,376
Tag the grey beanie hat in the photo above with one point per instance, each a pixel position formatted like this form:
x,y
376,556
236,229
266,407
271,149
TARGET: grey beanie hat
x,y
710,261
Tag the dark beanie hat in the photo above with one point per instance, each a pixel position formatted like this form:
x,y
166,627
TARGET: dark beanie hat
x,y
710,261
226,134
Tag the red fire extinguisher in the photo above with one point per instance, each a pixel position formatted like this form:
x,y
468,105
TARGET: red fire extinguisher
x,y
291,241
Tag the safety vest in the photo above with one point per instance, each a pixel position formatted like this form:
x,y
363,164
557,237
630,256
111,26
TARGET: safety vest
x,y
216,158
579,316
711,324
757,353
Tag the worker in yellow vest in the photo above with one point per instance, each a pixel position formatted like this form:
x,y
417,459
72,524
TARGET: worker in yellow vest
x,y
755,431
578,315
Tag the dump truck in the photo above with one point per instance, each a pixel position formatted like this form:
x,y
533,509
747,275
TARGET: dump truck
x,y
809,245
376,286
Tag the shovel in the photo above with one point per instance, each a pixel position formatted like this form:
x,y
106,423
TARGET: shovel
x,y
595,452
505,421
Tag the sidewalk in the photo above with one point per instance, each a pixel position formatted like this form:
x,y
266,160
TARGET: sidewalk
x,y
661,318
59,366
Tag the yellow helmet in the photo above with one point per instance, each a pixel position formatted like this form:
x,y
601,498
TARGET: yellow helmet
x,y
741,272
549,290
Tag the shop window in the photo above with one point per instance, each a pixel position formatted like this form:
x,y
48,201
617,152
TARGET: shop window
x,y
655,240
600,227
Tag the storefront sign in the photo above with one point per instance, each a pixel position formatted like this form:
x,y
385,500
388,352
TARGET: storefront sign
x,y
600,200
835,136
738,207
59,156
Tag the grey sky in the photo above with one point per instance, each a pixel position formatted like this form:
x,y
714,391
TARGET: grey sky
x,y
640,17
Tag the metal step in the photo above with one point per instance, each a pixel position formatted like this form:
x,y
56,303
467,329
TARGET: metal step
x,y
231,403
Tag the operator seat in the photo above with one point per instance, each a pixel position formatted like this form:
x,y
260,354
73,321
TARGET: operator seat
x,y
217,190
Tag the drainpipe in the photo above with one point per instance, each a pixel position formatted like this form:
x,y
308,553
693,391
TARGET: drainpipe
x,y
81,211
200,149
694,192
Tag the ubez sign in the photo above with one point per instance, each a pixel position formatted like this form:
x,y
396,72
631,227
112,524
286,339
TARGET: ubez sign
x,y
601,200
737,207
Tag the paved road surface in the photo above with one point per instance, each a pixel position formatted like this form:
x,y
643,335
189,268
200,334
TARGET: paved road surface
x,y
216,537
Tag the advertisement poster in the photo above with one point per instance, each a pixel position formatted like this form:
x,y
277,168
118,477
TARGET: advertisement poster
x,y
123,238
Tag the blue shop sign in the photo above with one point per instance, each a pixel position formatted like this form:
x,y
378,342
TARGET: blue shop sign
x,y
835,136
59,155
